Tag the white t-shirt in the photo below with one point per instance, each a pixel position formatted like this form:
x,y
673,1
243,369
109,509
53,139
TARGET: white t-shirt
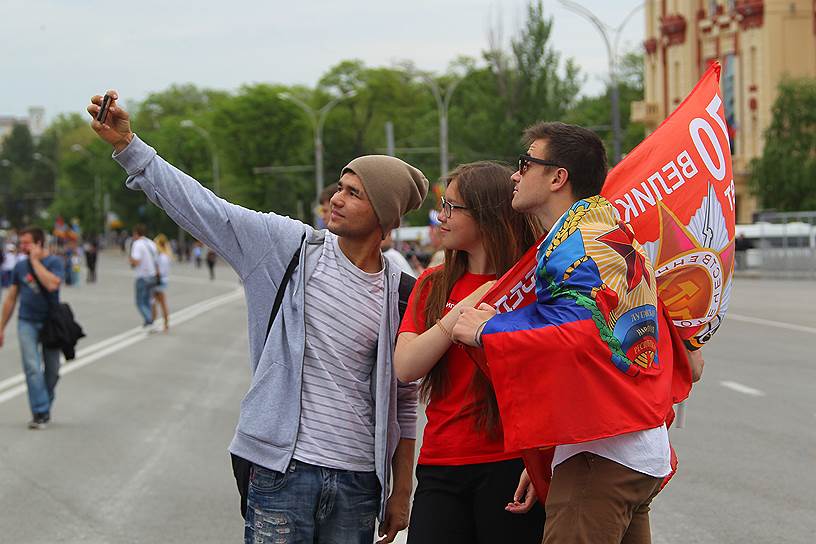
x,y
644,451
144,251
164,265
400,261
9,260
344,307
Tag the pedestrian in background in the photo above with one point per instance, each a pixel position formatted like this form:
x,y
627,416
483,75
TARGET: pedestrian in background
x,y
165,252
144,261
197,253
7,265
391,253
212,257
91,252
324,206
36,282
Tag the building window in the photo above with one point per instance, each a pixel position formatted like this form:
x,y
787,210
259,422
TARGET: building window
x,y
728,86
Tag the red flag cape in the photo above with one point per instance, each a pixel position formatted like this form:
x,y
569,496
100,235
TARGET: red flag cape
x,y
676,192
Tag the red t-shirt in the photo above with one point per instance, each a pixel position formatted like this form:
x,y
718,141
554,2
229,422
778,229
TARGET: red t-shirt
x,y
451,436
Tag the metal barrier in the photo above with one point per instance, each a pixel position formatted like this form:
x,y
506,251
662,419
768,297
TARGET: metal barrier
x,y
778,244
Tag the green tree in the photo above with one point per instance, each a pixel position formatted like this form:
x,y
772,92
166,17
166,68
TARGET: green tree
x,y
85,172
784,177
356,126
256,128
522,85
22,180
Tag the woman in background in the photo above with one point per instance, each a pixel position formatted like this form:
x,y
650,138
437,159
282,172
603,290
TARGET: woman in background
x,y
160,291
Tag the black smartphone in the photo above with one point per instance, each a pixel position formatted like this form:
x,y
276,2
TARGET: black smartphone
x,y
103,111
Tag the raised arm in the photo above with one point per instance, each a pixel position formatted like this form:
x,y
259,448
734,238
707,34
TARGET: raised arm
x,y
243,237
48,279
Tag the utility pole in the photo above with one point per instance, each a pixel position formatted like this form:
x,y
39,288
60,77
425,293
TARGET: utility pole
x,y
612,58
318,119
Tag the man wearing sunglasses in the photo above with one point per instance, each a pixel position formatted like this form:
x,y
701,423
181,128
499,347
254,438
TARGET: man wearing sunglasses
x,y
590,274
325,423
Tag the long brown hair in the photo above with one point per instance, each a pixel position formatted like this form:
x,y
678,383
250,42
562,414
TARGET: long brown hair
x,y
487,191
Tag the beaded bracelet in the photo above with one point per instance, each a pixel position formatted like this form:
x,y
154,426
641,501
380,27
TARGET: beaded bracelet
x,y
444,330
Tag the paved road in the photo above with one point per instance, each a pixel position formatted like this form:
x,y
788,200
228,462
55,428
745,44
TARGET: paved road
x,y
747,455
137,449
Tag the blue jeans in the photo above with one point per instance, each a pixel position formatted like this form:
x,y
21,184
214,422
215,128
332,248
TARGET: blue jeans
x,y
309,504
144,290
41,368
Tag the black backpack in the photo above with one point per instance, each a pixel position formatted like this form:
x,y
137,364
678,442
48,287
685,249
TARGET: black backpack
x,y
241,468
60,330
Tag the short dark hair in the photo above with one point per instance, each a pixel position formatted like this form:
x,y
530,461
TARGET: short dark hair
x,y
140,229
37,234
327,192
578,149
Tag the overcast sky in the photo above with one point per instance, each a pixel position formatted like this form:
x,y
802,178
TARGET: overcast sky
x,y
57,53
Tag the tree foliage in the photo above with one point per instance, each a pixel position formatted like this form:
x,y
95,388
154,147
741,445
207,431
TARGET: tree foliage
x,y
784,177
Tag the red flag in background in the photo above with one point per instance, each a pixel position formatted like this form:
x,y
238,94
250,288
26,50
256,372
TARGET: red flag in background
x,y
676,191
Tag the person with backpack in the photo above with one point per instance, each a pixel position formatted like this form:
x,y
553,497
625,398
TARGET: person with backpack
x,y
326,429
35,282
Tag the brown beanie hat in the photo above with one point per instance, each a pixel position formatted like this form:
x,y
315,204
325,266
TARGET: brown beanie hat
x,y
393,186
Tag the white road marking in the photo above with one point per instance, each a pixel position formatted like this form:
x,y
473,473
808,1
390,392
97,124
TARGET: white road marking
x,y
740,388
15,385
180,278
770,323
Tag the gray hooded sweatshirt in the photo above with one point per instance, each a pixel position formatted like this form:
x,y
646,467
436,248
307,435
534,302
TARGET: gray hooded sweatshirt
x,y
259,247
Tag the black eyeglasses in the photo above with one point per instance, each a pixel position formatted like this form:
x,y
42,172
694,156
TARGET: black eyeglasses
x,y
448,207
525,160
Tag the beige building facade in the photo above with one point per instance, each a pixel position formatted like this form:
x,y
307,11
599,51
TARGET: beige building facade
x,y
757,42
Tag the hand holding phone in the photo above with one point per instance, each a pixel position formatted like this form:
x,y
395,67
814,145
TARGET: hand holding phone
x,y
103,111
110,122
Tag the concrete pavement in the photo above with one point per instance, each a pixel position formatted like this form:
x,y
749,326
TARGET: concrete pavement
x,y
137,448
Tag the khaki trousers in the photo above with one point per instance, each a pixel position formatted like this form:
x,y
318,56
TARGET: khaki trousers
x,y
593,500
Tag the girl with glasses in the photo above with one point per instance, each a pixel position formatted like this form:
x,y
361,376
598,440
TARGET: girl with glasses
x,y
465,478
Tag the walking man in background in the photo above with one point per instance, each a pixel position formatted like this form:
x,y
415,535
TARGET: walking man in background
x,y
144,261
36,282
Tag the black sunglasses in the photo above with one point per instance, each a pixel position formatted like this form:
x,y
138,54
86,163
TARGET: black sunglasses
x,y
448,207
525,160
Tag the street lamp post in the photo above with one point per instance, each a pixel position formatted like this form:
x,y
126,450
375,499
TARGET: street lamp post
x,y
76,148
442,95
216,172
612,57
318,119
443,98
52,165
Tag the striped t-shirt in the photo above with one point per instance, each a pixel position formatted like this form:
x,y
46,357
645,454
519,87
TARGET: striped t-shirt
x,y
344,307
